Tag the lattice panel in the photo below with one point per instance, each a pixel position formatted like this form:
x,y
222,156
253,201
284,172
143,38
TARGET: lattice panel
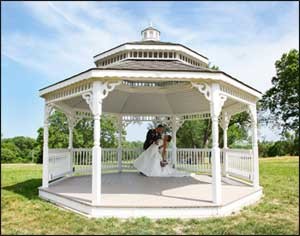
x,y
69,92
153,83
237,93
195,116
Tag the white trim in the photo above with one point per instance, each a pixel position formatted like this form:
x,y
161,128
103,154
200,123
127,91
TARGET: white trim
x,y
177,48
151,212
133,75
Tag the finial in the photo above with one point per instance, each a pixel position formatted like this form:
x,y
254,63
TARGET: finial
x,y
151,24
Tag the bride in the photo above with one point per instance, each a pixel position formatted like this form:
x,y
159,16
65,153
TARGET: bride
x,y
152,162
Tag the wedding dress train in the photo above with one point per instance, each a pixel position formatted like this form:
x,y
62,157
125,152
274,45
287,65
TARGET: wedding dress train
x,y
149,164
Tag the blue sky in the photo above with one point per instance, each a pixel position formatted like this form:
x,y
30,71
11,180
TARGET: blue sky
x,y
44,42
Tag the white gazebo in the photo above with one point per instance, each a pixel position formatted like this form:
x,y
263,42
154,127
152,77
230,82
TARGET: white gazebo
x,y
151,80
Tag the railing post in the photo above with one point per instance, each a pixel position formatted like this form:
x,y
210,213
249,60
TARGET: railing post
x,y
253,114
224,124
70,147
120,144
216,104
47,110
225,161
174,148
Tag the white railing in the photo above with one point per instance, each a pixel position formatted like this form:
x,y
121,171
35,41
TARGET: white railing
x,y
109,158
239,163
128,157
82,160
59,163
197,160
235,162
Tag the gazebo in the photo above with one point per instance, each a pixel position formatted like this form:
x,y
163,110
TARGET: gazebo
x,y
151,80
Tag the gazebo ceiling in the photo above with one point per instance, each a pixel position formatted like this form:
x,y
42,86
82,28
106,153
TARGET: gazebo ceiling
x,y
125,100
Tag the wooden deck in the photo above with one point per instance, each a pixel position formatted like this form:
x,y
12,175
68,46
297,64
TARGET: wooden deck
x,y
131,189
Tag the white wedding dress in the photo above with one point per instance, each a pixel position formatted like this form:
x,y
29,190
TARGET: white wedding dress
x,y
149,164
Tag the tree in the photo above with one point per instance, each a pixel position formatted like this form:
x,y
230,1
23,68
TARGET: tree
x,y
17,149
197,133
281,101
82,133
8,155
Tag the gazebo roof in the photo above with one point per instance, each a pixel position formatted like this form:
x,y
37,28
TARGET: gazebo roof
x,y
151,42
154,77
161,65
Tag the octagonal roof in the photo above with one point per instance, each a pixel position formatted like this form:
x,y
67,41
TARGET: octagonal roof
x,y
151,60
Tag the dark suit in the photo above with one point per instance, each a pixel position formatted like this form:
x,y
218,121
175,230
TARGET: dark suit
x,y
152,136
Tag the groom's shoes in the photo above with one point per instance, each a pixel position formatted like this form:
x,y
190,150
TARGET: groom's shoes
x,y
142,173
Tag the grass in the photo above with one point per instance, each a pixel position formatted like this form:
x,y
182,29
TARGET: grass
x,y
277,213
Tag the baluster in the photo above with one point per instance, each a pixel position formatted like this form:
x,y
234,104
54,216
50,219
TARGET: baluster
x,y
186,159
82,161
240,161
107,158
85,161
193,158
196,159
111,158
75,159
80,158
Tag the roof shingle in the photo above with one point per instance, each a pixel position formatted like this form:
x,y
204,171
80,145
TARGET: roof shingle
x,y
166,65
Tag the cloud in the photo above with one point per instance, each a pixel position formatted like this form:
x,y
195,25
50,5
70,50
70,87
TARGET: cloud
x,y
81,30
238,37
242,38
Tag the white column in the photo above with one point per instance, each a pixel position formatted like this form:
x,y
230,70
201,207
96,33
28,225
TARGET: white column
x,y
224,125
174,148
70,147
215,108
120,144
45,147
70,137
253,114
212,93
96,151
94,99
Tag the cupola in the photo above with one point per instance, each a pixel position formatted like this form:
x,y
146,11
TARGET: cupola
x,y
150,33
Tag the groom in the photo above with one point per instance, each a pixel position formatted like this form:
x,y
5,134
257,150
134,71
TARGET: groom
x,y
153,135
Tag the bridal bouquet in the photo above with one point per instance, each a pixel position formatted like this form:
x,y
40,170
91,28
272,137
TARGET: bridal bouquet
x,y
163,163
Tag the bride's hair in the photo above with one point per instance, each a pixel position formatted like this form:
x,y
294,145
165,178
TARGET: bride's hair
x,y
169,138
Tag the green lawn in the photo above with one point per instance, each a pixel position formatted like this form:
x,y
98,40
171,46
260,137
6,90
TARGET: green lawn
x,y
277,213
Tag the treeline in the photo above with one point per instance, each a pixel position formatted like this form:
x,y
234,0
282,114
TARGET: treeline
x,y
19,149
192,134
26,149
287,146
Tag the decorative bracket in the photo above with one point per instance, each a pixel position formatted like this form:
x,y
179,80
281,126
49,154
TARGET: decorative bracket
x,y
225,120
99,92
206,89
48,109
108,87
203,88
220,103
252,112
178,123
88,97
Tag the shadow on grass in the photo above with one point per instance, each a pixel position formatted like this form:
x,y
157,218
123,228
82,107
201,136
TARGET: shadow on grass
x,y
28,188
